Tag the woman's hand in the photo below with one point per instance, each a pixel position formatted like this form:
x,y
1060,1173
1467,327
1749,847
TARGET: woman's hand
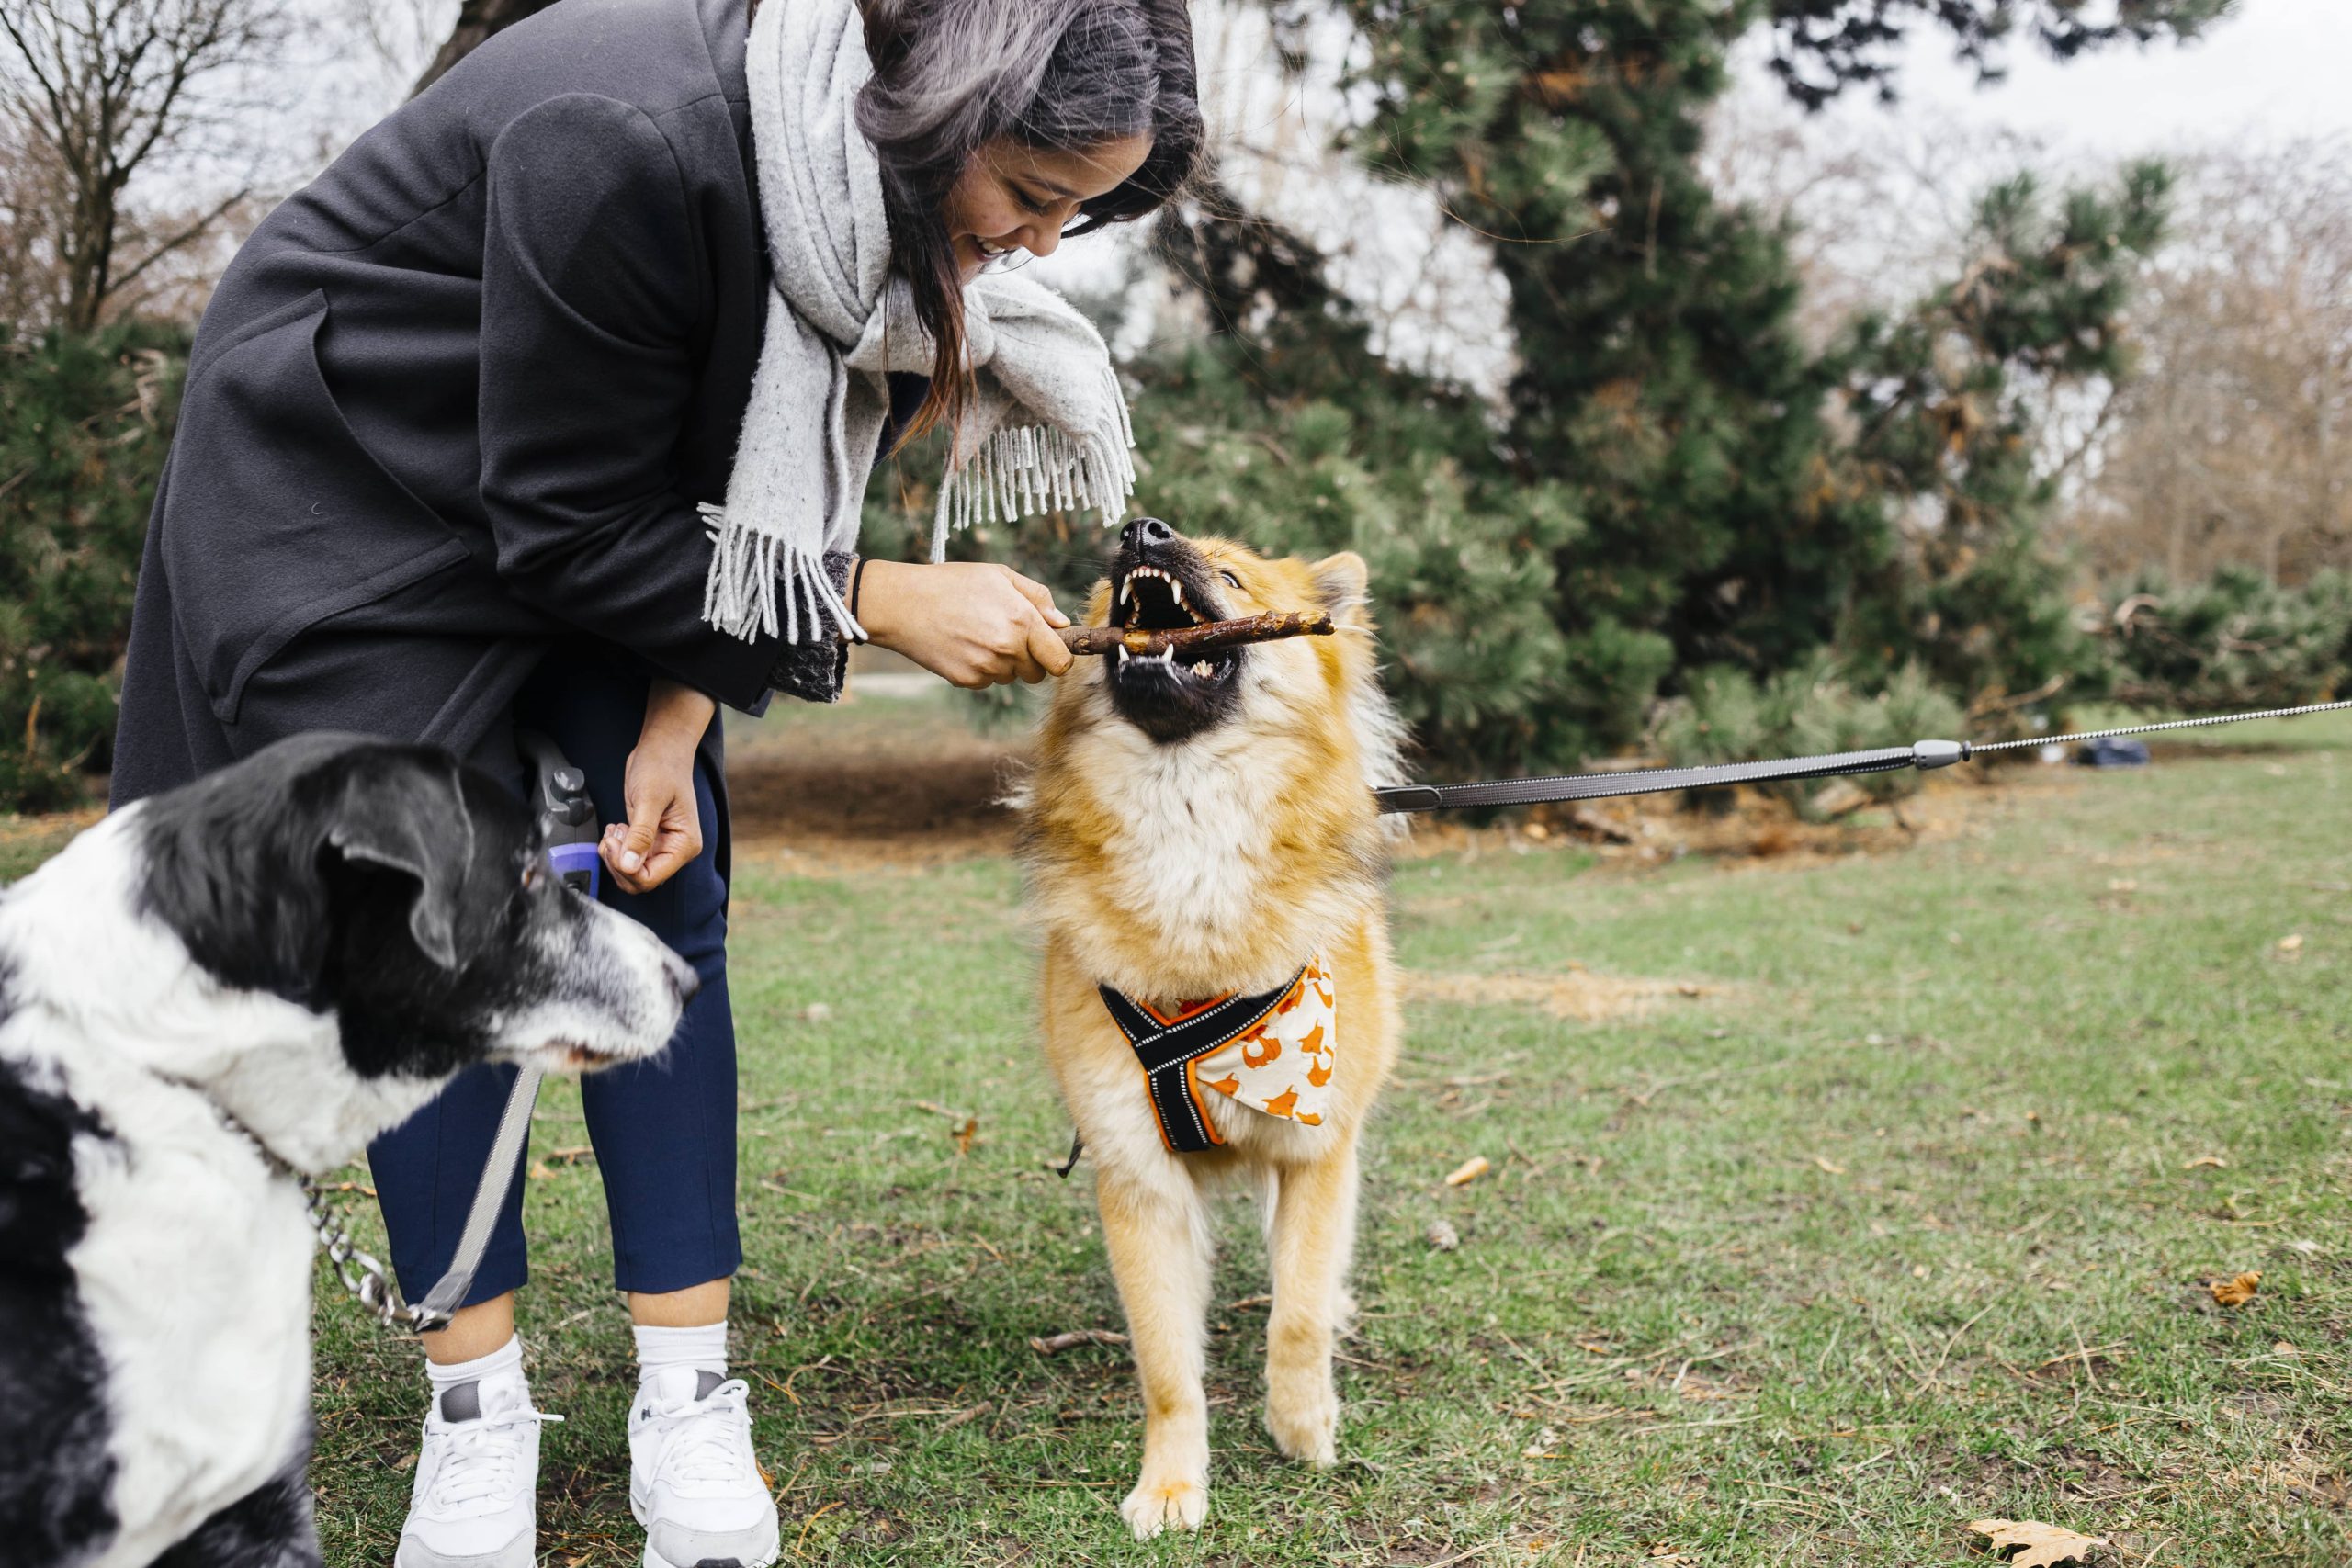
x,y
975,623
664,827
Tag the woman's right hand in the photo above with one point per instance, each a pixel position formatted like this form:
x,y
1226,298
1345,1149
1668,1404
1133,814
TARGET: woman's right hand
x,y
973,621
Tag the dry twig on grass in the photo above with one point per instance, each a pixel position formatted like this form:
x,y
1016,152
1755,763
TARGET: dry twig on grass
x,y
1054,1343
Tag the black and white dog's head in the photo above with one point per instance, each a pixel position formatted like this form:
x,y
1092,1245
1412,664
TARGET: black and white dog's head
x,y
320,936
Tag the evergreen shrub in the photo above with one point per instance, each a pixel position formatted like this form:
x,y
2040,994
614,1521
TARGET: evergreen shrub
x,y
84,424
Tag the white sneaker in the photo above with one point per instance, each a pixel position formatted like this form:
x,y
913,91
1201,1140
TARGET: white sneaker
x,y
693,1482
474,1504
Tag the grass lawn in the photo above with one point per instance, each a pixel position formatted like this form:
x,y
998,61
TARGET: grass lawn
x,y
1904,1221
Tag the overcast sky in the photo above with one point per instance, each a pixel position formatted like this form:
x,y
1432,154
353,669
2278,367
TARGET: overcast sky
x,y
2276,70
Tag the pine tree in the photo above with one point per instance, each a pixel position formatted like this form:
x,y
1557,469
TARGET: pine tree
x,y
1943,400
84,422
1663,381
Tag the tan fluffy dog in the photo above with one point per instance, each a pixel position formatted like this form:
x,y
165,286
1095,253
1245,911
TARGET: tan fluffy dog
x,y
1194,832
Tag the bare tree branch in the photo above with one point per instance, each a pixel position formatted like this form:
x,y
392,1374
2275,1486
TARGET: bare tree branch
x,y
104,90
185,236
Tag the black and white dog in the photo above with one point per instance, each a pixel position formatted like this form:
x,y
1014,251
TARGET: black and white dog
x,y
288,956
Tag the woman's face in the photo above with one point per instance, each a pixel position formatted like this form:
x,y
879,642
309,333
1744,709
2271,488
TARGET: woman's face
x,y
1011,197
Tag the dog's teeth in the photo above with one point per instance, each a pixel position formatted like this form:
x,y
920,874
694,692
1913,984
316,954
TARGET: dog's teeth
x,y
1202,669
1177,589
1126,586
1122,655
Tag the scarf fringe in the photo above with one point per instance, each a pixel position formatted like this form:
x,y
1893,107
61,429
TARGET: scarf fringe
x,y
1025,469
747,568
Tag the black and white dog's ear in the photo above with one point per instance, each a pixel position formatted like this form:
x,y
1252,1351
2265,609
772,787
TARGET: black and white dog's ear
x,y
407,815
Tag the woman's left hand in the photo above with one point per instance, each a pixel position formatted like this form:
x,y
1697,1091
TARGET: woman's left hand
x,y
664,827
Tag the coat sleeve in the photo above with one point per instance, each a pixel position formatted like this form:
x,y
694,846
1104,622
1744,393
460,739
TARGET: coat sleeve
x,y
593,290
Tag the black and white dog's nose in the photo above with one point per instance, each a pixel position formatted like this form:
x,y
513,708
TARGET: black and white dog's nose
x,y
1145,531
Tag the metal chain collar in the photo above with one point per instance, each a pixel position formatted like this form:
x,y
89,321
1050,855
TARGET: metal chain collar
x,y
370,1283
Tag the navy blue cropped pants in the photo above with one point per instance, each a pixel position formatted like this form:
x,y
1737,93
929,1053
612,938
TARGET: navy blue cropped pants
x,y
664,1130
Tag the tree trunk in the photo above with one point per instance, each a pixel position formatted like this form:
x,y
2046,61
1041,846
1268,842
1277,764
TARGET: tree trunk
x,y
477,19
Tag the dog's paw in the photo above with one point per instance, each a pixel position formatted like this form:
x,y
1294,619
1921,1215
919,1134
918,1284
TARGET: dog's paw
x,y
1159,1503
1304,1421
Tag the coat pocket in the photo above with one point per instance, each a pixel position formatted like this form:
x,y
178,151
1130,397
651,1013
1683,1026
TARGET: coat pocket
x,y
275,517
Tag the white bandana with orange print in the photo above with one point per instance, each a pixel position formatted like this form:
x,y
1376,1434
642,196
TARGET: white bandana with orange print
x,y
1281,1066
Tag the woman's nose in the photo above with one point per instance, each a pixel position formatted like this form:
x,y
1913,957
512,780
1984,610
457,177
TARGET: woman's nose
x,y
1041,239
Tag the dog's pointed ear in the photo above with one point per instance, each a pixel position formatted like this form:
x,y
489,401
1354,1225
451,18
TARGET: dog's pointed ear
x,y
401,813
1344,584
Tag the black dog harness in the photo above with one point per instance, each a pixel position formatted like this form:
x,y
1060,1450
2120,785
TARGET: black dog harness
x,y
1166,1048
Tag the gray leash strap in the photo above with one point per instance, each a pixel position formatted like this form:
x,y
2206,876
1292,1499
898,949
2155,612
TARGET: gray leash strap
x,y
1653,781
449,1293
1922,754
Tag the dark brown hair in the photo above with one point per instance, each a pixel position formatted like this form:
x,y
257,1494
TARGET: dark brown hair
x,y
1058,75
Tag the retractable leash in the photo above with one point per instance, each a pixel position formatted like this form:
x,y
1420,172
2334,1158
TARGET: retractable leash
x,y
1921,754
560,797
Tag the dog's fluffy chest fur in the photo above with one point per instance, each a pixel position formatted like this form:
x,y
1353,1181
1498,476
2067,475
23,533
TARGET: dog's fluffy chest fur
x,y
1198,863
1191,870
192,1277
187,1253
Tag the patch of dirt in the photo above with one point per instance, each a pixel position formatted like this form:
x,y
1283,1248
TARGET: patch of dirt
x,y
1579,995
884,786
1634,832
821,816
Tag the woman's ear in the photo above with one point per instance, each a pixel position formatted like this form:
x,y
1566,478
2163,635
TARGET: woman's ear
x,y
1344,583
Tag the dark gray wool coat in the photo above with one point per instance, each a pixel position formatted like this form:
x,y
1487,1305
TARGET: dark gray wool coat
x,y
452,405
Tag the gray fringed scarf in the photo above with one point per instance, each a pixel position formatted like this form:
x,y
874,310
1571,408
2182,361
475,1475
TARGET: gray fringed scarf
x,y
1047,427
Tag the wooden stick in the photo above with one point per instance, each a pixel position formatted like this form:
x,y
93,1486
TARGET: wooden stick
x,y
1202,638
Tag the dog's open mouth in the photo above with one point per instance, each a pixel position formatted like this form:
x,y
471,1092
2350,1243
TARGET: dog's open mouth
x,y
1157,599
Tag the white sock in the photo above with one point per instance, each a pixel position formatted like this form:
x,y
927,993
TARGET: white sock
x,y
659,1349
506,1361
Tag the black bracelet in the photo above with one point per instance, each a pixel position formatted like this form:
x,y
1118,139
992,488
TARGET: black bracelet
x,y
857,581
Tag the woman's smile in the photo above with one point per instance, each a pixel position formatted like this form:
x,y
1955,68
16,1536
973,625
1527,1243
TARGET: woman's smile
x,y
1011,198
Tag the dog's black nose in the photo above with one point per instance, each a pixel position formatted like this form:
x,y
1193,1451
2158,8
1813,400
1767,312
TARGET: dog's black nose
x,y
1145,531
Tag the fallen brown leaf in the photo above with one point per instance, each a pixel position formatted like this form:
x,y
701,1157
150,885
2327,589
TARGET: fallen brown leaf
x,y
1468,1170
1442,1235
2207,1162
2044,1546
2292,943
966,1133
539,1172
2236,1293
1832,1166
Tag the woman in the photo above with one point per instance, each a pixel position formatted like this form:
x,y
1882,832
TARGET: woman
x,y
551,404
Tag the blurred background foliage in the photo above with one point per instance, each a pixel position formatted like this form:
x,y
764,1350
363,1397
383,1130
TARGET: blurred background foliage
x,y
1701,489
